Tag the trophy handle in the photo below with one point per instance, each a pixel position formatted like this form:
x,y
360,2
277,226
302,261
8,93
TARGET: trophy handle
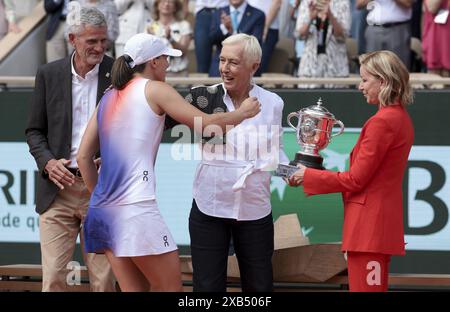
x,y
341,125
293,114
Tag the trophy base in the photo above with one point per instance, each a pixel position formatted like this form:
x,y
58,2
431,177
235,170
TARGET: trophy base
x,y
308,161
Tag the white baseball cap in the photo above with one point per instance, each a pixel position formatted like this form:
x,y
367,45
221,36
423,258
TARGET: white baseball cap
x,y
144,47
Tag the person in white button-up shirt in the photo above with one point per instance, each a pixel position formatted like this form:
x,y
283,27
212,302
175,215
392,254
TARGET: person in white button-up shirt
x,y
232,183
389,26
204,11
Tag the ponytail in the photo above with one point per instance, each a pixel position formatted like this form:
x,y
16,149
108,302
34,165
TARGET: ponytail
x,y
122,73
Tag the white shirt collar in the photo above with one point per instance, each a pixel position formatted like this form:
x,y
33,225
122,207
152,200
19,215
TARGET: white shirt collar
x,y
93,73
241,8
227,99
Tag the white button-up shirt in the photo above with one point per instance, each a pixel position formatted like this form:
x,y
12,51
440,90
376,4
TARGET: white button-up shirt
x,y
200,4
387,11
233,180
84,98
264,5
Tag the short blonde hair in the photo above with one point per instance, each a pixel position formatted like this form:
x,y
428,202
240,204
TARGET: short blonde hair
x,y
386,66
252,48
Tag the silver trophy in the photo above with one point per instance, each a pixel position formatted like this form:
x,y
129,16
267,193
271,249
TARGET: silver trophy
x,y
314,127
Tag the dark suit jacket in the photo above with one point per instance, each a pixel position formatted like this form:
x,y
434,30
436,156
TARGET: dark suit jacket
x,y
54,9
49,127
372,188
252,23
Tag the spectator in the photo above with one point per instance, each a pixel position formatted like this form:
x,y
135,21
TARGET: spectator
x,y
11,17
237,17
287,24
389,26
185,8
271,9
435,38
177,32
418,11
359,25
204,10
416,19
324,25
361,35
15,10
133,16
3,21
56,43
299,44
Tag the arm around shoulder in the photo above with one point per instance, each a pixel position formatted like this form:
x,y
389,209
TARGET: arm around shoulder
x,y
165,99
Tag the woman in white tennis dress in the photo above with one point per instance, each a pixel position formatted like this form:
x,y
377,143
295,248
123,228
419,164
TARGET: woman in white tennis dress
x,y
123,219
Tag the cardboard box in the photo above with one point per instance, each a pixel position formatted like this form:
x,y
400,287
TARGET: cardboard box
x,y
294,258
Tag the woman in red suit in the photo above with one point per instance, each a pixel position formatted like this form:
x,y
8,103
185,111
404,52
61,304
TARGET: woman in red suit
x,y
372,188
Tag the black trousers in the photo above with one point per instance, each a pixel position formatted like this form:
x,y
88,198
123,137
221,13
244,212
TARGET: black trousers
x,y
210,242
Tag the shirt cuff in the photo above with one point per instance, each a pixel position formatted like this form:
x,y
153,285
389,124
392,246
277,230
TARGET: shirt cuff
x,y
223,29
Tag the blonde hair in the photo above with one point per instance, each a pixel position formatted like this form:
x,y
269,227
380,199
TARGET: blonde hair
x,y
177,13
386,66
252,48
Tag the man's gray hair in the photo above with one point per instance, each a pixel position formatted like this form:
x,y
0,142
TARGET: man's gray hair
x,y
79,17
252,48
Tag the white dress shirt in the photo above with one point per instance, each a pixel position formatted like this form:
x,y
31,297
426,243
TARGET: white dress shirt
x,y
387,11
264,5
233,180
201,4
84,98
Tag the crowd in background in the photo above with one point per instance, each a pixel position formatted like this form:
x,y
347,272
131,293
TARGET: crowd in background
x,y
319,30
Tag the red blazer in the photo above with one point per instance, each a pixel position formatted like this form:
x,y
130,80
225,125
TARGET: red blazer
x,y
372,188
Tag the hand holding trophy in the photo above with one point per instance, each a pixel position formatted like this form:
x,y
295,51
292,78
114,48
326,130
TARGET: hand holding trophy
x,y
313,130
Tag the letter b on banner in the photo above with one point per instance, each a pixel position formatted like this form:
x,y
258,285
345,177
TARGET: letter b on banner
x,y
427,195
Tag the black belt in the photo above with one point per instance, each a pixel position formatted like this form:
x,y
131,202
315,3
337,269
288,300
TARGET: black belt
x,y
75,171
387,25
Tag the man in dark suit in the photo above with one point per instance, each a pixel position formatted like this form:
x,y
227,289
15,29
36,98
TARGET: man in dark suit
x,y
66,93
238,17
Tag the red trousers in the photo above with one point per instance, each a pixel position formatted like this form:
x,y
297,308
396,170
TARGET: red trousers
x,y
368,272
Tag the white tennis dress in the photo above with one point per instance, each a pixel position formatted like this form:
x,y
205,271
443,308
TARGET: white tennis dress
x,y
123,215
